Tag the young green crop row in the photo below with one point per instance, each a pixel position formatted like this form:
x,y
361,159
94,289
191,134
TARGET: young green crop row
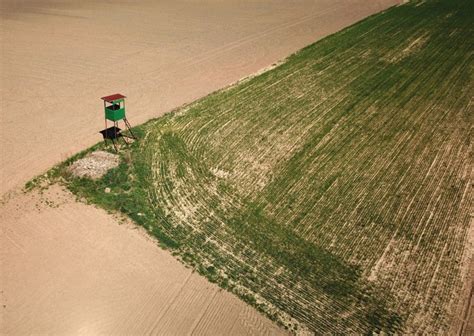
x,y
331,192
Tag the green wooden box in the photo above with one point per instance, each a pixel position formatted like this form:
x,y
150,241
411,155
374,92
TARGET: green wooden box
x,y
114,114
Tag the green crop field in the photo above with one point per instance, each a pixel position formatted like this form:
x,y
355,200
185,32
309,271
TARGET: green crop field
x,y
332,192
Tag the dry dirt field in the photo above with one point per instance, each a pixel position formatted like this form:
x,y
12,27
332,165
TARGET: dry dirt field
x,y
69,268
58,58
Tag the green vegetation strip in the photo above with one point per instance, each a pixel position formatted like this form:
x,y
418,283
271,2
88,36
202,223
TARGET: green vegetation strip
x,y
332,192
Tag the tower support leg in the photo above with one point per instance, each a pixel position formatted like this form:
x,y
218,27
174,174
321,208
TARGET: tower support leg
x,y
115,145
129,128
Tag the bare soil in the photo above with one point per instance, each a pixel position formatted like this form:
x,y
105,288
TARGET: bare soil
x,y
70,268
59,57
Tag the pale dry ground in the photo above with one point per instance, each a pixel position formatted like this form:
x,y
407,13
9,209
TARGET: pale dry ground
x,y
73,269
59,57
86,274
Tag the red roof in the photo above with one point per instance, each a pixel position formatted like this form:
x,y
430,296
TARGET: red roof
x,y
113,97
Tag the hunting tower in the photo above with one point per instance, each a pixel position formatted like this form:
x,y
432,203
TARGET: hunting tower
x,y
114,110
